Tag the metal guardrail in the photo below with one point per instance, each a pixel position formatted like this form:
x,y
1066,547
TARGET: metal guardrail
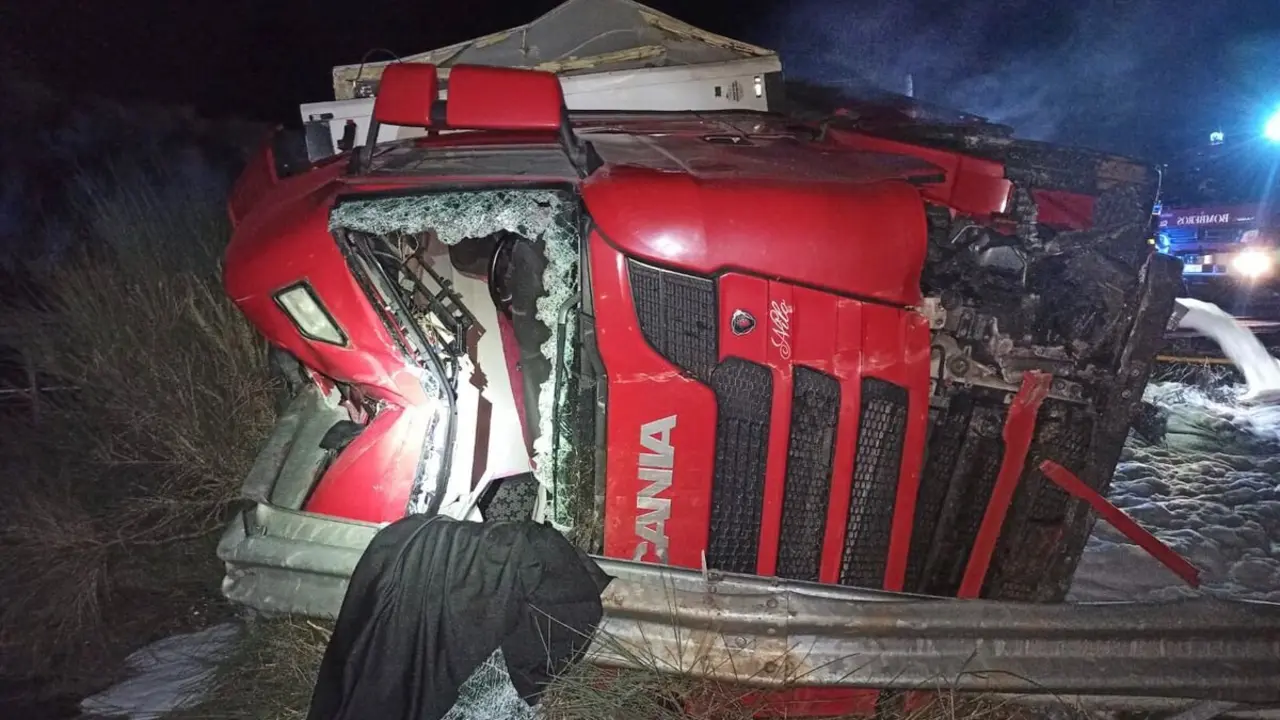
x,y
771,633
768,633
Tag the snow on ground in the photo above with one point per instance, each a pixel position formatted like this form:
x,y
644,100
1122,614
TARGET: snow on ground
x,y
1211,492
167,675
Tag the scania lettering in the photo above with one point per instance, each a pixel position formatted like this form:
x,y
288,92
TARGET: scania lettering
x,y
657,461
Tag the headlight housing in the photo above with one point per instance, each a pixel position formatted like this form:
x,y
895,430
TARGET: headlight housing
x,y
1253,263
311,318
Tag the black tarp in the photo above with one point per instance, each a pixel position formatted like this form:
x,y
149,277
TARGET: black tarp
x,y
432,598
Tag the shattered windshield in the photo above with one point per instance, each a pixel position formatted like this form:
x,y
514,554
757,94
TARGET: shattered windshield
x,y
402,231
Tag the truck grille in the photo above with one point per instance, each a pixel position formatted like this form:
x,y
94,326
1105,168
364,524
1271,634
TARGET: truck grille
x,y
744,397
1033,531
946,436
815,412
677,315
974,474
882,428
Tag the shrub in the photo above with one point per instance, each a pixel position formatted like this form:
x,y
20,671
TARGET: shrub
x,y
269,676
116,494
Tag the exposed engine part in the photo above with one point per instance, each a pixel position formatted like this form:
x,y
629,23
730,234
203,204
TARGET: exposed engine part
x,y
934,312
954,363
1017,301
1026,213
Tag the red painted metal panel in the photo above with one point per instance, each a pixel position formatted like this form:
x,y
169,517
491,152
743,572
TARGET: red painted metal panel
x,y
406,92
292,243
972,186
1067,480
896,349
911,372
780,327
804,702
845,338
496,98
847,366
283,240
1064,210
860,240
371,479
255,181
1019,428
644,388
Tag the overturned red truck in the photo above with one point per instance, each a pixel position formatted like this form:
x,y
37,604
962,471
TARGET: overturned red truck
x,y
781,345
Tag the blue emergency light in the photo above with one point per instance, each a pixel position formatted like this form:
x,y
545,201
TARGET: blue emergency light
x,y
1272,129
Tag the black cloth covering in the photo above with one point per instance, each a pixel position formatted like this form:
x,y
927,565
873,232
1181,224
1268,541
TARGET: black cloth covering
x,y
432,598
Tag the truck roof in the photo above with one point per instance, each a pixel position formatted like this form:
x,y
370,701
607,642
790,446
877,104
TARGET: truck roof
x,y
701,145
743,193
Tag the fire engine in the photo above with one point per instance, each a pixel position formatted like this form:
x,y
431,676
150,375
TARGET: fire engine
x,y
1237,242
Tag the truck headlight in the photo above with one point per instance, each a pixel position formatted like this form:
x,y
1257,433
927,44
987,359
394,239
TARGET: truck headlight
x,y
1253,264
302,306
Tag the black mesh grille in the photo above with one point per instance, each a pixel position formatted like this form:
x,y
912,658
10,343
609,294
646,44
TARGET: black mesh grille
x,y
1032,534
971,484
1068,445
744,394
678,317
945,439
881,429
815,412
1016,576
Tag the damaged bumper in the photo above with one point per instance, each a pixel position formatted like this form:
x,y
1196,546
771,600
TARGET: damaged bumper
x,y
771,633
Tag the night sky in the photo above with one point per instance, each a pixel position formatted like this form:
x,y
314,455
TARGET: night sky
x,y
1141,76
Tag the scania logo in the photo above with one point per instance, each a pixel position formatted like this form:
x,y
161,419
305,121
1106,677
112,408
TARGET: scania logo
x,y
657,460
742,322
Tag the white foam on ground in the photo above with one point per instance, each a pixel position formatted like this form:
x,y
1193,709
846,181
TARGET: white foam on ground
x,y
1245,350
171,674
1211,492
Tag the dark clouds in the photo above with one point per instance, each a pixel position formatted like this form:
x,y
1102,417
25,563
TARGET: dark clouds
x,y
1142,76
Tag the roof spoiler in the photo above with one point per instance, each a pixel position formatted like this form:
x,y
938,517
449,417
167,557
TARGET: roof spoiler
x,y
478,98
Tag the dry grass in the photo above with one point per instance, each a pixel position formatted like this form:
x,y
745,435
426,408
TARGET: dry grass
x,y
114,496
271,675
649,690
592,692
268,677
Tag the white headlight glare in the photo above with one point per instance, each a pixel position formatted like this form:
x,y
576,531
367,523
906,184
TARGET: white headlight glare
x,y
306,312
1252,264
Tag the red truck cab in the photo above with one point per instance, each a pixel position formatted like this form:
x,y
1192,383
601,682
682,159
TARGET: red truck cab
x,y
741,342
